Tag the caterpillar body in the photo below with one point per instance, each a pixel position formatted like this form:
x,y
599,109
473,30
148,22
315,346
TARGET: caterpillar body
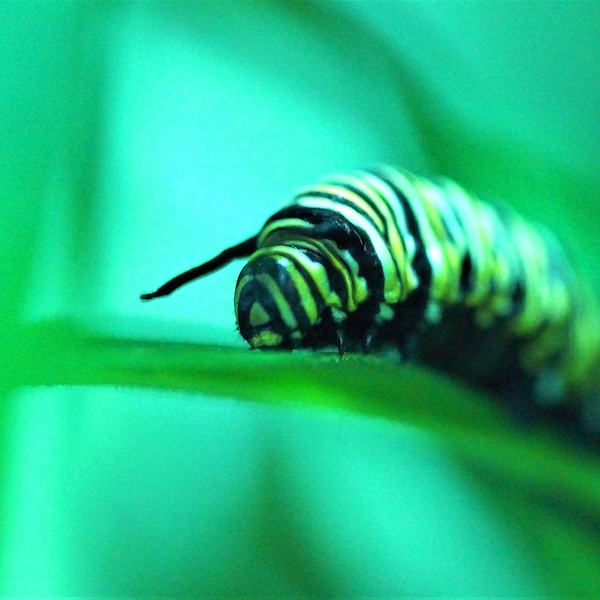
x,y
383,259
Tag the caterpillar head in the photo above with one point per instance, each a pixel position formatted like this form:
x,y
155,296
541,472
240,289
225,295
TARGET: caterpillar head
x,y
276,304
285,297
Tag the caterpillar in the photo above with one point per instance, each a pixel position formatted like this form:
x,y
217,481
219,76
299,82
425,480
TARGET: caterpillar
x,y
384,260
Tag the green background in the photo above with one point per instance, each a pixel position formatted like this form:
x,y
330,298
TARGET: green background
x,y
144,450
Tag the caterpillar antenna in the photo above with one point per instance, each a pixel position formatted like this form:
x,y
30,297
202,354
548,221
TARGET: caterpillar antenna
x,y
239,251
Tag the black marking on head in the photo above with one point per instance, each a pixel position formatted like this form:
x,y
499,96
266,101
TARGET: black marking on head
x,y
330,225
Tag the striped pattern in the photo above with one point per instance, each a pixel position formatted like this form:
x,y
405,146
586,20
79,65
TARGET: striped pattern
x,y
385,260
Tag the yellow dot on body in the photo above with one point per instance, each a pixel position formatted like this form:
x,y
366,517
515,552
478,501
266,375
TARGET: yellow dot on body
x,y
266,339
258,315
